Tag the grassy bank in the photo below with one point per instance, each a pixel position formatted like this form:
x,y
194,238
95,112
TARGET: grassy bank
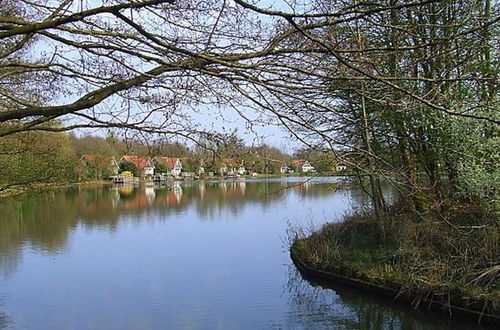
x,y
453,259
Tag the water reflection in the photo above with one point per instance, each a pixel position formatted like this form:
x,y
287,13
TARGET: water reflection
x,y
44,221
4,321
315,304
193,255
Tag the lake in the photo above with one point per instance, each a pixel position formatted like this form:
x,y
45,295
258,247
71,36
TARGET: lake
x,y
196,255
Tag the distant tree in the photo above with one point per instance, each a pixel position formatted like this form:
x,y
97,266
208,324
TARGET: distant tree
x,y
324,163
190,165
36,157
161,168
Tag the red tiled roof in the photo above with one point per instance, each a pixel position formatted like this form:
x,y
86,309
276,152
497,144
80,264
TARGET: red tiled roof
x,y
138,161
298,162
167,161
230,162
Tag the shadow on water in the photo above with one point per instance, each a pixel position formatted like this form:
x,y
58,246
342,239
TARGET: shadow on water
x,y
317,304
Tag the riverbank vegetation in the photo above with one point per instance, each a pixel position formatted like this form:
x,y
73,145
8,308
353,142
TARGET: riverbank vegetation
x,y
441,239
451,258
30,158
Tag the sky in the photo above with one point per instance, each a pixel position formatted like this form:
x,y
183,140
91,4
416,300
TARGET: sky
x,y
230,120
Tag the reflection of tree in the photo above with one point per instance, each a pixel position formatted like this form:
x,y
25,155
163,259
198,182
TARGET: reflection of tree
x,y
4,321
8,260
44,220
318,305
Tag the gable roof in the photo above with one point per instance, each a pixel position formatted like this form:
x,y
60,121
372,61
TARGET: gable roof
x,y
167,161
230,162
299,162
139,161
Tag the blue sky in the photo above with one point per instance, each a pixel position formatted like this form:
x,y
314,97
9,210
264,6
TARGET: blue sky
x,y
225,119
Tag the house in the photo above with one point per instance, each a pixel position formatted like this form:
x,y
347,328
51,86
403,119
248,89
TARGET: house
x,y
173,165
341,167
303,165
145,165
201,167
99,167
241,170
230,167
286,169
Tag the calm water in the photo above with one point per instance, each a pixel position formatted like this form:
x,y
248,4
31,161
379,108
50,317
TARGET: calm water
x,y
198,256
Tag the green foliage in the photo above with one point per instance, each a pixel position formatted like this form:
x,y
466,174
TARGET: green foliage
x,y
98,168
439,160
476,160
130,167
35,157
190,165
161,168
323,164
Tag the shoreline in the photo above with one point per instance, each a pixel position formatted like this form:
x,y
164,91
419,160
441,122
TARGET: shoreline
x,y
19,190
430,300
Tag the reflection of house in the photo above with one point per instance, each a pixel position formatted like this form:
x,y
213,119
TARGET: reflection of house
x,y
150,193
201,189
303,165
100,166
243,187
174,195
173,165
145,165
136,202
234,190
304,186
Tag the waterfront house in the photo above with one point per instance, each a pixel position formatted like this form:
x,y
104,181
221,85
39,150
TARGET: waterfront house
x,y
201,167
286,169
145,165
341,167
303,165
230,167
99,167
173,165
241,170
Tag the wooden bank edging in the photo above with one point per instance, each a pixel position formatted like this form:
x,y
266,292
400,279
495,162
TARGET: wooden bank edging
x,y
477,316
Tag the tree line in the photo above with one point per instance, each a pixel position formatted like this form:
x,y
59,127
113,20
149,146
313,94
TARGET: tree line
x,y
54,157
